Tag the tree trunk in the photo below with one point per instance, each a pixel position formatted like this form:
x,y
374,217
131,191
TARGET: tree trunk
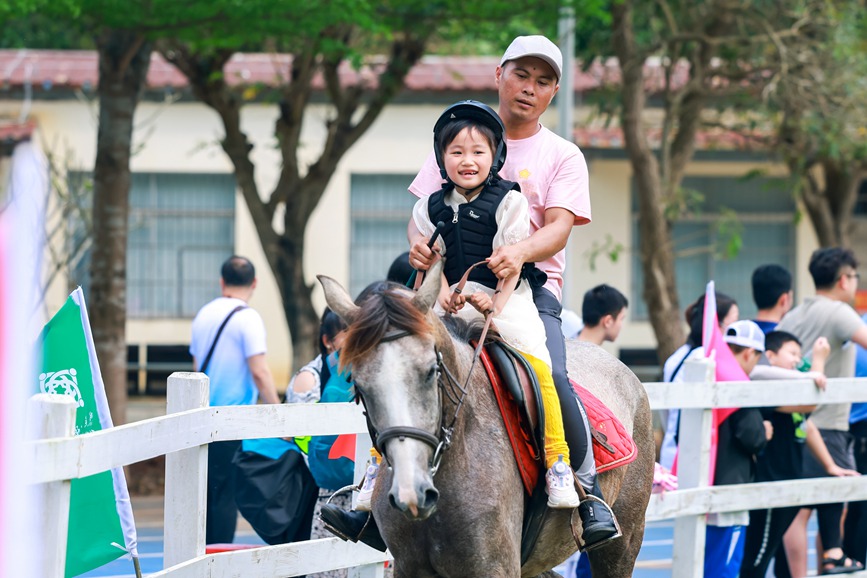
x,y
123,64
288,265
831,202
657,252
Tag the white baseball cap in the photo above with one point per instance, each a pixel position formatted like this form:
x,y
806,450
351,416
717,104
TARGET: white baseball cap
x,y
746,334
538,47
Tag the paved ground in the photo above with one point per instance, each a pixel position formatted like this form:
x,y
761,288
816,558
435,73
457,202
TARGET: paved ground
x,y
654,561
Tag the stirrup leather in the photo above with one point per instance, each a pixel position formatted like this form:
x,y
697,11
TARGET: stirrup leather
x,y
341,534
579,537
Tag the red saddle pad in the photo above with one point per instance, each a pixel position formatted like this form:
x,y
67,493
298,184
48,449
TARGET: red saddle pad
x,y
612,445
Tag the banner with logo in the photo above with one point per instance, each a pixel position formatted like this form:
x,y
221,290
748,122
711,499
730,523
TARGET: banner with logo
x,y
101,526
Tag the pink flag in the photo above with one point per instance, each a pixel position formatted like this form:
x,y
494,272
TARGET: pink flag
x,y
727,367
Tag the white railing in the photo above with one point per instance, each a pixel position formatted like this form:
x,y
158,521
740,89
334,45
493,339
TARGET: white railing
x,y
190,425
694,499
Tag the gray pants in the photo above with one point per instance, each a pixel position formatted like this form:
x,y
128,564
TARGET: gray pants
x,y
575,421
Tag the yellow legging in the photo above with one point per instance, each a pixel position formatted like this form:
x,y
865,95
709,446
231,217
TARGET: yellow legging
x,y
555,436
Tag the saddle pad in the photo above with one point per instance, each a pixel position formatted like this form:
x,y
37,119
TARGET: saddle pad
x,y
612,445
517,428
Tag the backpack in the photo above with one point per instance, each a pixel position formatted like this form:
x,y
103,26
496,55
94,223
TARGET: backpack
x,y
331,458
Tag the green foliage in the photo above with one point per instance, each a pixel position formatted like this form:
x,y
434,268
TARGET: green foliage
x,y
729,234
608,248
683,201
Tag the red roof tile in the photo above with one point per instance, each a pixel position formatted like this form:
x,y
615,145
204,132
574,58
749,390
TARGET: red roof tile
x,y
48,69
16,131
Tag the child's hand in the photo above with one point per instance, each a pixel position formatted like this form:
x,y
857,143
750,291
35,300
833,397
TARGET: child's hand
x,y
769,430
421,257
819,378
821,349
448,306
482,302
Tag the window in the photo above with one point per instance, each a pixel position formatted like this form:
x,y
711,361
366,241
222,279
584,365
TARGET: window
x,y
380,208
181,229
764,212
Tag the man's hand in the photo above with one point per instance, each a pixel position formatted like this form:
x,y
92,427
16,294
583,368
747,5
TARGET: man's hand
x,y
835,470
506,261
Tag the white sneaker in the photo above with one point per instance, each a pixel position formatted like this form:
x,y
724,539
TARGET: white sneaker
x,y
561,486
365,495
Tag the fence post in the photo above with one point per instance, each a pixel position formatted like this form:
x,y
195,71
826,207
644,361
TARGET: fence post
x,y
186,476
362,454
52,416
693,471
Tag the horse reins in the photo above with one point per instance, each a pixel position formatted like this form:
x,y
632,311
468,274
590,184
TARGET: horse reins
x,y
447,383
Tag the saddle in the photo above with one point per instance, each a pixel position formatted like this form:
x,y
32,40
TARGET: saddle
x,y
517,392
519,398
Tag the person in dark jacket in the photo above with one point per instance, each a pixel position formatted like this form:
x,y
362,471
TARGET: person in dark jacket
x,y
741,437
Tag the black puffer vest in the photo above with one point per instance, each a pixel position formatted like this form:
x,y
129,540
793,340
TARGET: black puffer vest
x,y
469,232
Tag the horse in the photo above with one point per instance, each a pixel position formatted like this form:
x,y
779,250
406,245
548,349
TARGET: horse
x,y
408,369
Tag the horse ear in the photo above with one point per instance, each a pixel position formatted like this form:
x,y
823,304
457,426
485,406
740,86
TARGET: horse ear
x,y
338,299
430,288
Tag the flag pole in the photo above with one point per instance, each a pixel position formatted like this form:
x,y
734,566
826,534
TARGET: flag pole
x,y
137,567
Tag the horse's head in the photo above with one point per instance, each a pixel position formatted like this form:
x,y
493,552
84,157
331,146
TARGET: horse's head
x,y
391,346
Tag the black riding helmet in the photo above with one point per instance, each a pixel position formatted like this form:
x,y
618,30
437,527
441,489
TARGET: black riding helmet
x,y
481,113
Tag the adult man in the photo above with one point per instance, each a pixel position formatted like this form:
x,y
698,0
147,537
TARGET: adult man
x,y
228,344
830,314
855,529
772,293
604,311
552,174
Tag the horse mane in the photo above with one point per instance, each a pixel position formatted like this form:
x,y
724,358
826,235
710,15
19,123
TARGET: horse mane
x,y
465,331
386,307
380,310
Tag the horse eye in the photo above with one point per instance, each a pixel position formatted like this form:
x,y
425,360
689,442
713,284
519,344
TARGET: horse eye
x,y
432,373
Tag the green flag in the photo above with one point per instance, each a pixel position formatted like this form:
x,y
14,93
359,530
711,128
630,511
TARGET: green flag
x,y
100,516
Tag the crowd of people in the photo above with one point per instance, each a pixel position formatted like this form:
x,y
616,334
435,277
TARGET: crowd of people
x,y
819,339
510,192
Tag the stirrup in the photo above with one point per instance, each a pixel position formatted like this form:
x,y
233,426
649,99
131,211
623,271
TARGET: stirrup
x,y
579,538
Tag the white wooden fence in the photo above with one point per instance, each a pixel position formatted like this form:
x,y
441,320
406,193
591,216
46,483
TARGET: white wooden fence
x,y
190,424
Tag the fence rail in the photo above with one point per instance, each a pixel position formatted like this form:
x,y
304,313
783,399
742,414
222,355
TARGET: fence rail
x,y
183,434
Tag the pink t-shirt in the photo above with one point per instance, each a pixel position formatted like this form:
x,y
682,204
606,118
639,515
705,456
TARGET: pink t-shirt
x,y
552,174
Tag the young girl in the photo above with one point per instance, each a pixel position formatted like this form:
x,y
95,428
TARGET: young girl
x,y
482,212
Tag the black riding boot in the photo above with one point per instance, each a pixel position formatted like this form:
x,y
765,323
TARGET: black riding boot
x,y
599,526
352,526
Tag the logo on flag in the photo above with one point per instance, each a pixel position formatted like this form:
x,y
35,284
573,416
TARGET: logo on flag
x,y
63,382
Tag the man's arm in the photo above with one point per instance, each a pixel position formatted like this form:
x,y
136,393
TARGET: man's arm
x,y
507,261
817,447
860,336
262,378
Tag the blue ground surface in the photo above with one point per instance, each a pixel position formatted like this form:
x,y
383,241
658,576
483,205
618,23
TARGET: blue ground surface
x,y
654,561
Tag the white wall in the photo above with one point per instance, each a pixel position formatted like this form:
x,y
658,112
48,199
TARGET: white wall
x,y
184,137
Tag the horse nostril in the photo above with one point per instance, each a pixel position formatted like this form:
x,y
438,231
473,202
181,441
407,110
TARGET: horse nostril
x,y
393,501
431,496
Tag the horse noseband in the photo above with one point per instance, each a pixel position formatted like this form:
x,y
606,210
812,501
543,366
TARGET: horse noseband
x,y
438,444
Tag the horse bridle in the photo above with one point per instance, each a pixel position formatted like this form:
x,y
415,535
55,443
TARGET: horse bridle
x,y
448,386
